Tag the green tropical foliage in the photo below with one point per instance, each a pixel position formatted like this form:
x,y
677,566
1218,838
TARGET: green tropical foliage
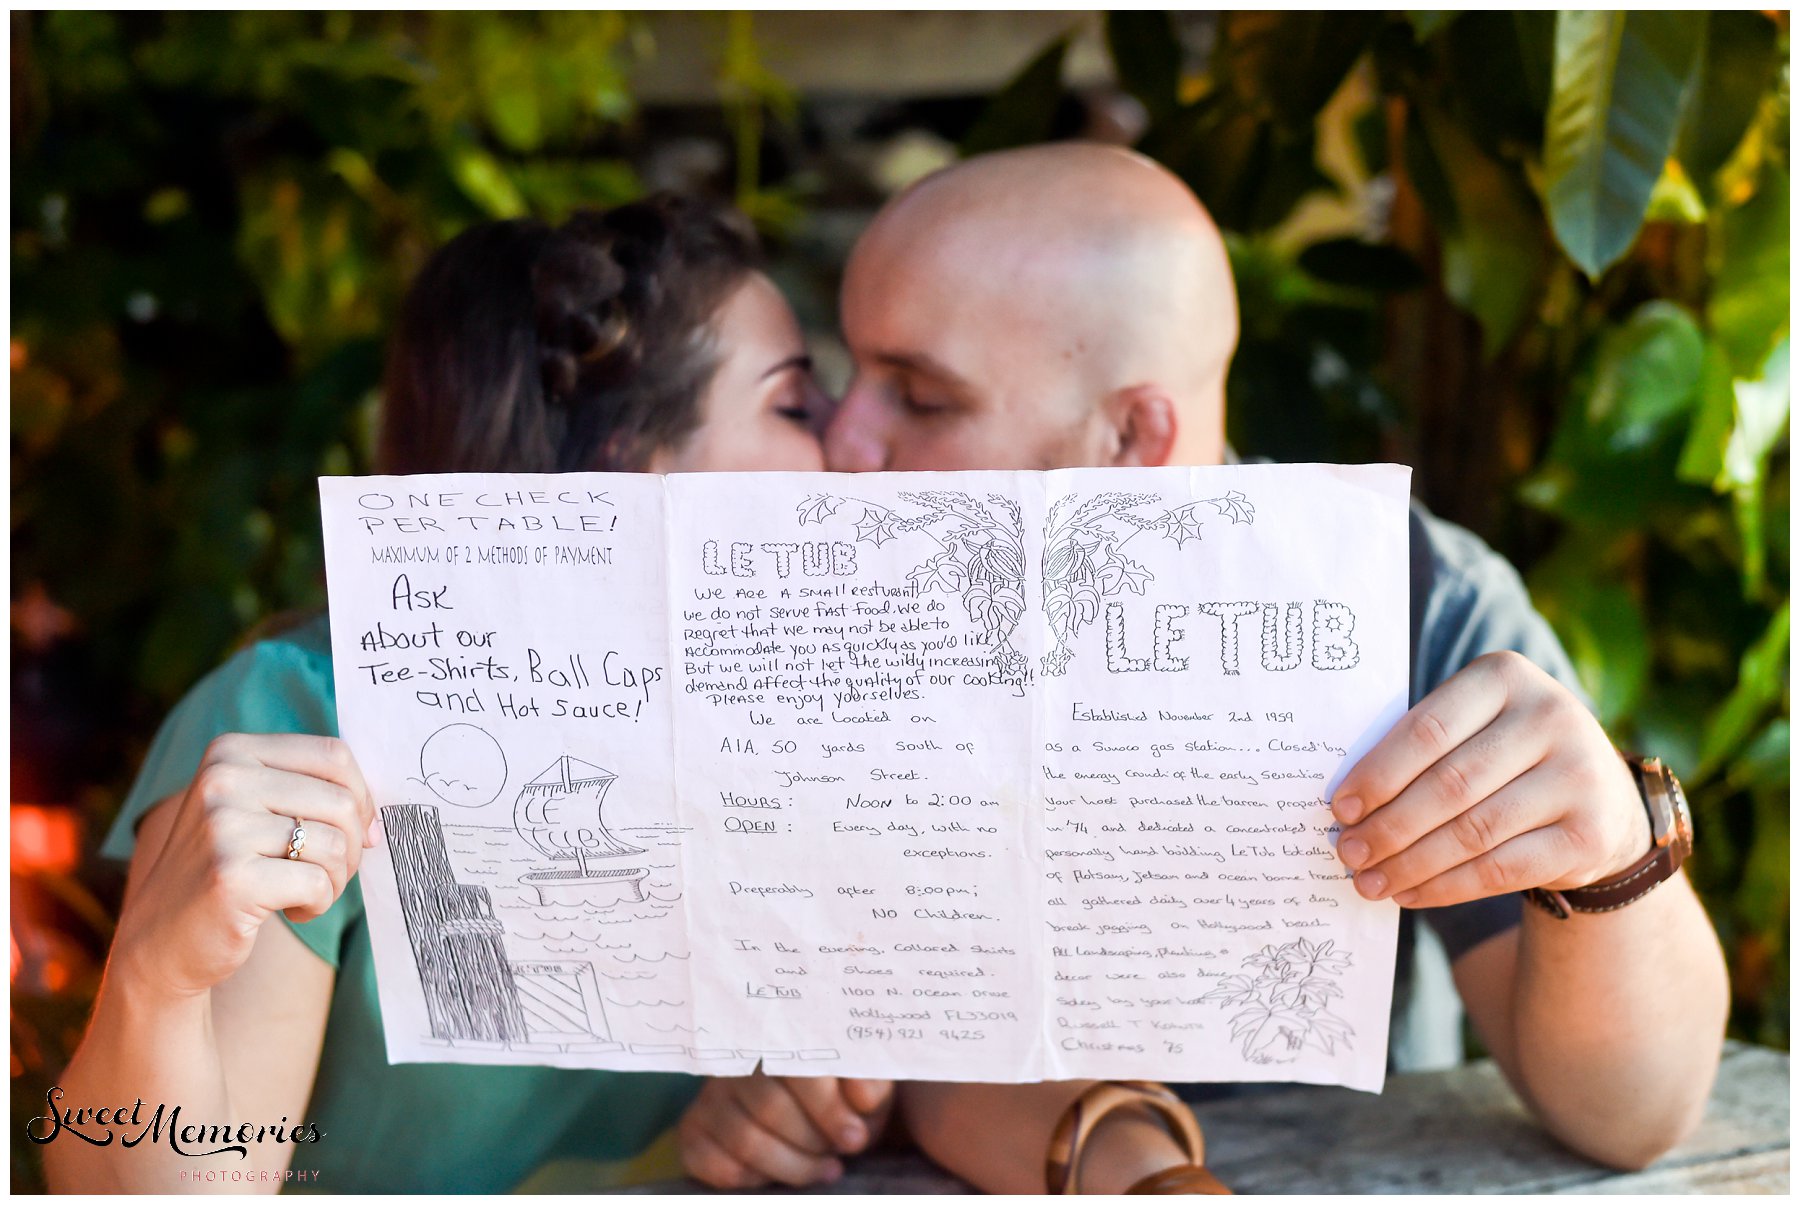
x,y
1551,273
1588,243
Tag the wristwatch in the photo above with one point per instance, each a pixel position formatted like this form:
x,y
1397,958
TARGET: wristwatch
x,y
1671,841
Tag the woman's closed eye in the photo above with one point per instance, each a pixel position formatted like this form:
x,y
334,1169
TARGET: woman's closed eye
x,y
914,404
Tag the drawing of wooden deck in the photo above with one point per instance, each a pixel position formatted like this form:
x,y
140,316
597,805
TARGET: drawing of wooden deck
x,y
474,995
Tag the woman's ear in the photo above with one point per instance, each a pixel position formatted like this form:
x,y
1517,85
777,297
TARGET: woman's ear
x,y
1144,426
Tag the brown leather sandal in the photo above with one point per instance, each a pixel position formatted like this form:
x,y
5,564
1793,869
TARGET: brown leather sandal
x,y
1062,1163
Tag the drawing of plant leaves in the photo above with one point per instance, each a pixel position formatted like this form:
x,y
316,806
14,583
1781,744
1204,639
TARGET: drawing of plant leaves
x,y
1321,957
1268,958
1314,991
1236,507
942,572
994,604
1180,525
816,508
1233,989
1287,997
1117,571
983,558
1260,1024
1082,547
877,527
1325,1030
1012,509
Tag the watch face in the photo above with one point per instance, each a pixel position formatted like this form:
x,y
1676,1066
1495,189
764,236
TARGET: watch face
x,y
1684,820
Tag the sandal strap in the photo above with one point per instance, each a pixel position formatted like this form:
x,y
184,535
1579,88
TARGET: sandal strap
x,y
1062,1163
1191,1179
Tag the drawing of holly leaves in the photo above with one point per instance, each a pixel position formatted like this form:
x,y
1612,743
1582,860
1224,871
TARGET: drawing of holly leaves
x,y
1287,1000
1085,563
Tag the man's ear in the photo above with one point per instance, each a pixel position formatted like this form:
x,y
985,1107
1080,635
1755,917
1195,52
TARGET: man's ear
x,y
1144,426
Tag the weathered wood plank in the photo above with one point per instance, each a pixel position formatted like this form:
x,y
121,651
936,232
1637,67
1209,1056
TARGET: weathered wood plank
x,y
1460,1130
1764,1172
1455,1131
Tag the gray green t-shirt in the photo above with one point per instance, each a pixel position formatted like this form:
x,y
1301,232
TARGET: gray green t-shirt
x,y
412,1127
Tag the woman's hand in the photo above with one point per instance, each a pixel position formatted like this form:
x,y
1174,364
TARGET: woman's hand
x,y
223,869
746,1131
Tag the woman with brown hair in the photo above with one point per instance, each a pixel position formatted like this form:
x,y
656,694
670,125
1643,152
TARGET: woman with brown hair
x,y
642,338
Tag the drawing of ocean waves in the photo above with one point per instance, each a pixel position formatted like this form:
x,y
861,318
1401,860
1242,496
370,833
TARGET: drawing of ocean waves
x,y
658,958
645,1003
637,948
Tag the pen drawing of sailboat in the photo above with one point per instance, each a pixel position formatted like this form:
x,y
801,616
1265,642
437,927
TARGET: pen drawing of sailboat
x,y
558,813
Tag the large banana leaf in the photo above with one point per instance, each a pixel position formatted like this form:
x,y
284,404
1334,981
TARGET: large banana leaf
x,y
1617,95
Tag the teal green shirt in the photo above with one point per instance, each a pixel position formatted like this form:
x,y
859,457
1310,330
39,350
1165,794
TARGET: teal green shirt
x,y
415,1127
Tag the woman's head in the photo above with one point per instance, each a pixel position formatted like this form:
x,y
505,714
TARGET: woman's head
x,y
642,337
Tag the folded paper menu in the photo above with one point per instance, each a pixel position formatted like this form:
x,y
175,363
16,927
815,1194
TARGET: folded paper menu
x,y
977,776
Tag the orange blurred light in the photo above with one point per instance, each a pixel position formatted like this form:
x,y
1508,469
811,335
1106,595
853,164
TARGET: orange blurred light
x,y
44,838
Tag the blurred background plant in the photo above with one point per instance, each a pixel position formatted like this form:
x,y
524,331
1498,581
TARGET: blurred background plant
x,y
1541,257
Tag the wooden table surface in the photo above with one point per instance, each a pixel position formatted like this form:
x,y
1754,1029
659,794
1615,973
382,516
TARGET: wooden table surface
x,y
1457,1131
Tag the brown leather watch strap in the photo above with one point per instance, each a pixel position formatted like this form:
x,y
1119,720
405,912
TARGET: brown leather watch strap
x,y
1671,841
1614,893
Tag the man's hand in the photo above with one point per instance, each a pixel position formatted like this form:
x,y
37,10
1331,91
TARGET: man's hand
x,y
745,1132
1499,780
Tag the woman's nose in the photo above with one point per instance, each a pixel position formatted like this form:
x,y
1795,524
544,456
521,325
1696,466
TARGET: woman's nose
x,y
857,439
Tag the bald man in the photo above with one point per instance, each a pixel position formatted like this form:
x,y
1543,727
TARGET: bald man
x,y
1072,305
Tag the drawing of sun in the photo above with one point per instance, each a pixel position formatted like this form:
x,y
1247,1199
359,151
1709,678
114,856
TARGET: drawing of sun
x,y
462,765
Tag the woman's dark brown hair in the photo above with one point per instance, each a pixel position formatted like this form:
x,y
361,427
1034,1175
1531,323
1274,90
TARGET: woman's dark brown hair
x,y
523,348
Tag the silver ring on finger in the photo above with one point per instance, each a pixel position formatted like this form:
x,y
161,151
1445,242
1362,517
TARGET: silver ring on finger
x,y
297,841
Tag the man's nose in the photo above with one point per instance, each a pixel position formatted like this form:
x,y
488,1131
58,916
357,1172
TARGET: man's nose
x,y
857,439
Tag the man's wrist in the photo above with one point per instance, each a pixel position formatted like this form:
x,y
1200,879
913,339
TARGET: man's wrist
x,y
1639,837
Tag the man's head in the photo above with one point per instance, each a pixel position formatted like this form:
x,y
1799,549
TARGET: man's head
x,y
1048,307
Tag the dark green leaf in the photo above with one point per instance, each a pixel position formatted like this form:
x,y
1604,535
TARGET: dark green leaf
x,y
1749,306
1761,414
1492,236
1022,112
1615,108
1603,630
486,182
1762,679
1761,417
1146,57
1764,889
1647,371
1740,55
1703,456
1765,760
